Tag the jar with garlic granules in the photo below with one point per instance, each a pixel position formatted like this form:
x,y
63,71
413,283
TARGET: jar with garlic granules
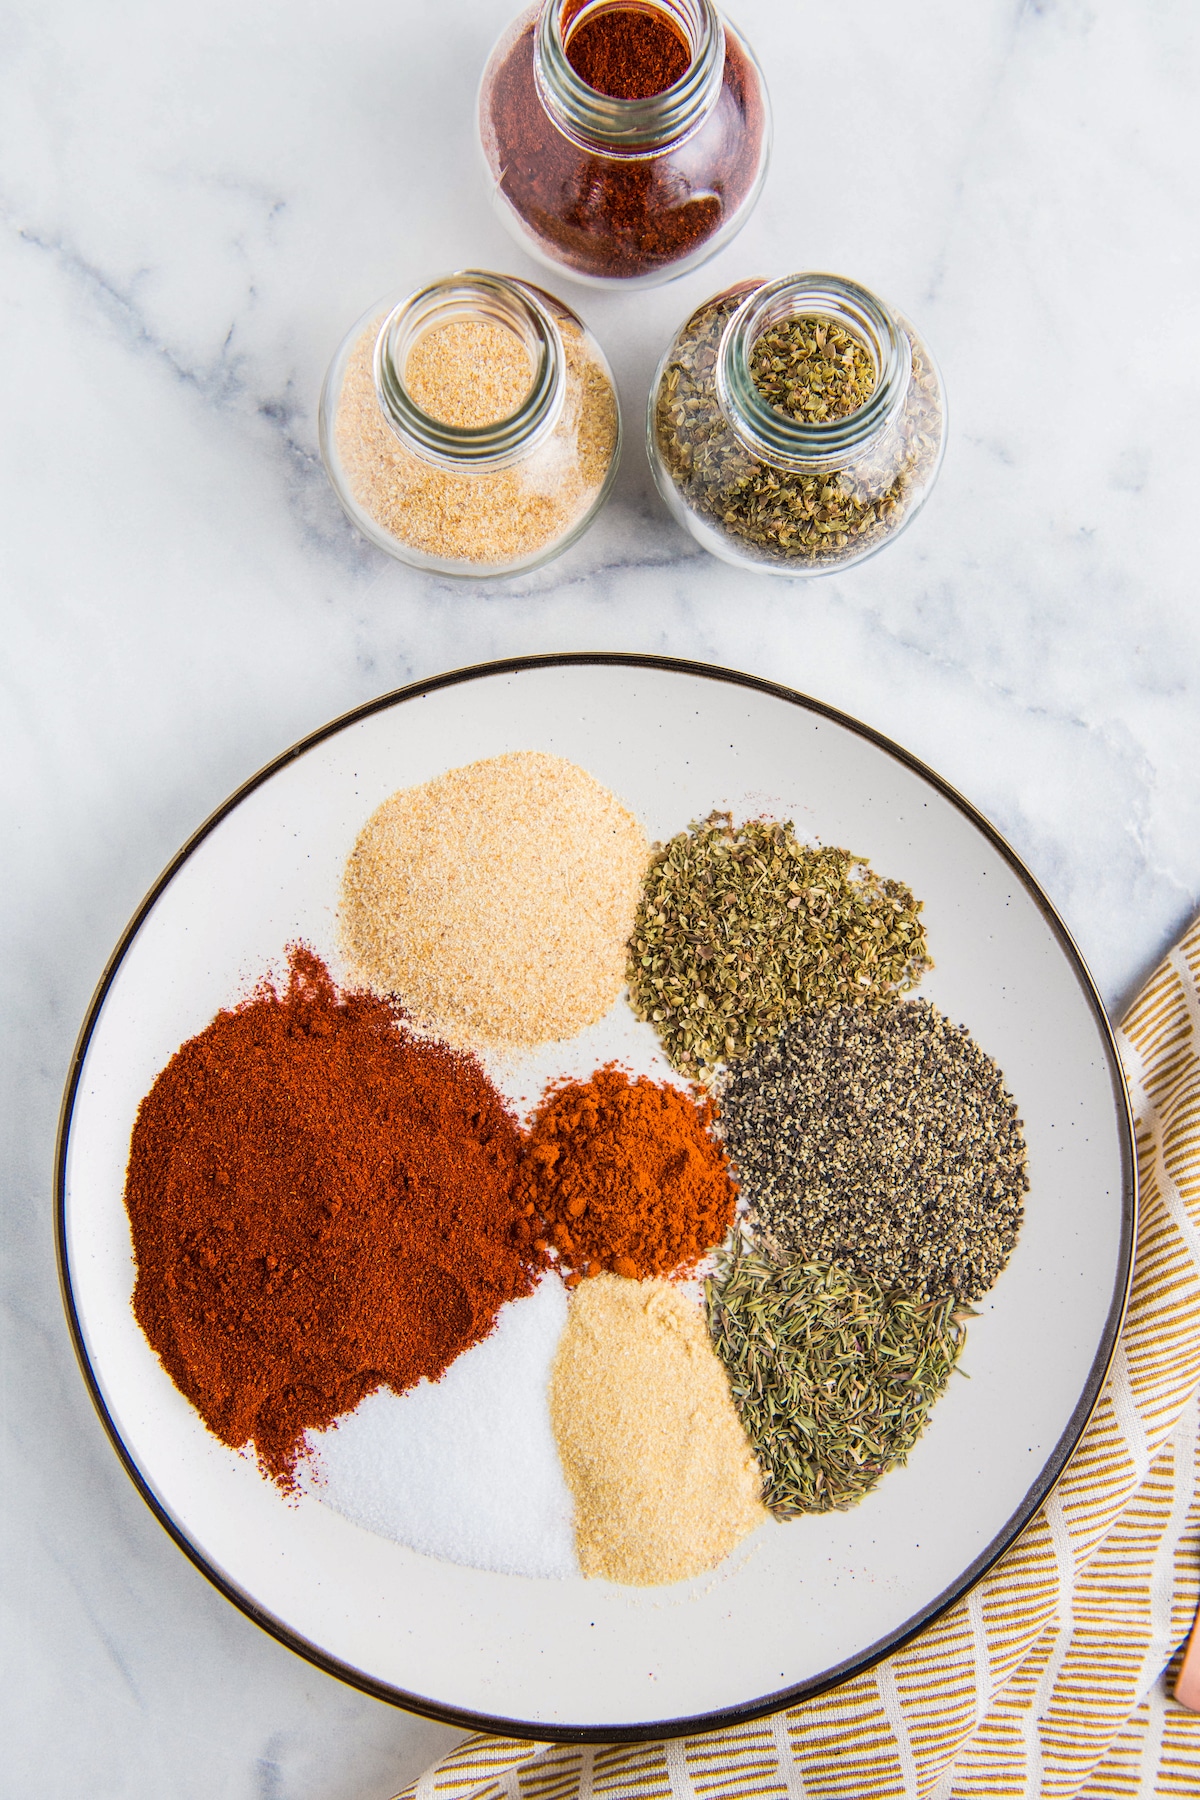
x,y
796,426
471,428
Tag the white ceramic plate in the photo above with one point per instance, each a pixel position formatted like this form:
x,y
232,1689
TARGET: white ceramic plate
x,y
798,1606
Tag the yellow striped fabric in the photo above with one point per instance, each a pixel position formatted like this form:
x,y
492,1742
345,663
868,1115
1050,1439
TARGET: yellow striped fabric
x,y
1046,1681
1156,1754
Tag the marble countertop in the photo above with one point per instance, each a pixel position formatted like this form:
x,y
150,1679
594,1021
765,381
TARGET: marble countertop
x,y
196,203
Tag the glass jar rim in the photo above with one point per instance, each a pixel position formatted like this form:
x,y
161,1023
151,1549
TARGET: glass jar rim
x,y
471,294
774,436
629,128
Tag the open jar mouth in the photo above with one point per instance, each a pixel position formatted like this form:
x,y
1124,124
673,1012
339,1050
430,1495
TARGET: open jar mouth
x,y
776,437
629,127
471,295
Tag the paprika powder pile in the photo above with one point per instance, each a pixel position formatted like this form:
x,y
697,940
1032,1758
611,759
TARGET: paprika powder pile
x,y
624,1176
321,1204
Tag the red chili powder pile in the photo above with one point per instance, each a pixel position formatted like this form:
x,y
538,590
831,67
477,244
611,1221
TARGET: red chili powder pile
x,y
628,52
321,1205
624,1176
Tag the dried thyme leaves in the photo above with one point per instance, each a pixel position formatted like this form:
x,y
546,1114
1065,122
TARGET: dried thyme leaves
x,y
883,1141
812,369
832,1376
741,929
778,514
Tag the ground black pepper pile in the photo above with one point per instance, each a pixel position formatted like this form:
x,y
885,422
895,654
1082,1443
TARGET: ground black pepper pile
x,y
883,1141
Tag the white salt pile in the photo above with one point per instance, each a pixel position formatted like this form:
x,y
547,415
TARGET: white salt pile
x,y
465,1468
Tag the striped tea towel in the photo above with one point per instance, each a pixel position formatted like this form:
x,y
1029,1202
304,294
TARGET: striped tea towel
x,y
1047,1680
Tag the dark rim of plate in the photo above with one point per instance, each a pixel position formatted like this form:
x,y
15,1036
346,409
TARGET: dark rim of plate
x,y
764,1704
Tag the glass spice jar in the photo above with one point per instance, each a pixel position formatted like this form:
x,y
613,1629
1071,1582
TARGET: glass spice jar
x,y
796,426
637,183
471,428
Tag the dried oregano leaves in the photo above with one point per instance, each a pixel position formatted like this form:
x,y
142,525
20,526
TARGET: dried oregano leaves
x,y
740,929
833,1376
812,369
777,514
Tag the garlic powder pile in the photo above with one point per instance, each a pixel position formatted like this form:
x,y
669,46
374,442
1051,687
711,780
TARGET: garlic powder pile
x,y
495,902
664,1480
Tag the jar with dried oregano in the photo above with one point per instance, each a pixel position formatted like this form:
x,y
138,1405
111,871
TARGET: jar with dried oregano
x,y
471,428
796,426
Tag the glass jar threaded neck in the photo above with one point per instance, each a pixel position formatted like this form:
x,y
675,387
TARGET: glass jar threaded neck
x,y
476,295
778,438
619,127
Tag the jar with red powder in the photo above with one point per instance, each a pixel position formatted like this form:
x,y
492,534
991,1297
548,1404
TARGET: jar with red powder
x,y
625,143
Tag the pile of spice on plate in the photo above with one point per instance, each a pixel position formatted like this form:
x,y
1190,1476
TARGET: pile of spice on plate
x,y
624,1176
495,902
885,1142
664,1480
321,1205
741,928
465,1467
833,1376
